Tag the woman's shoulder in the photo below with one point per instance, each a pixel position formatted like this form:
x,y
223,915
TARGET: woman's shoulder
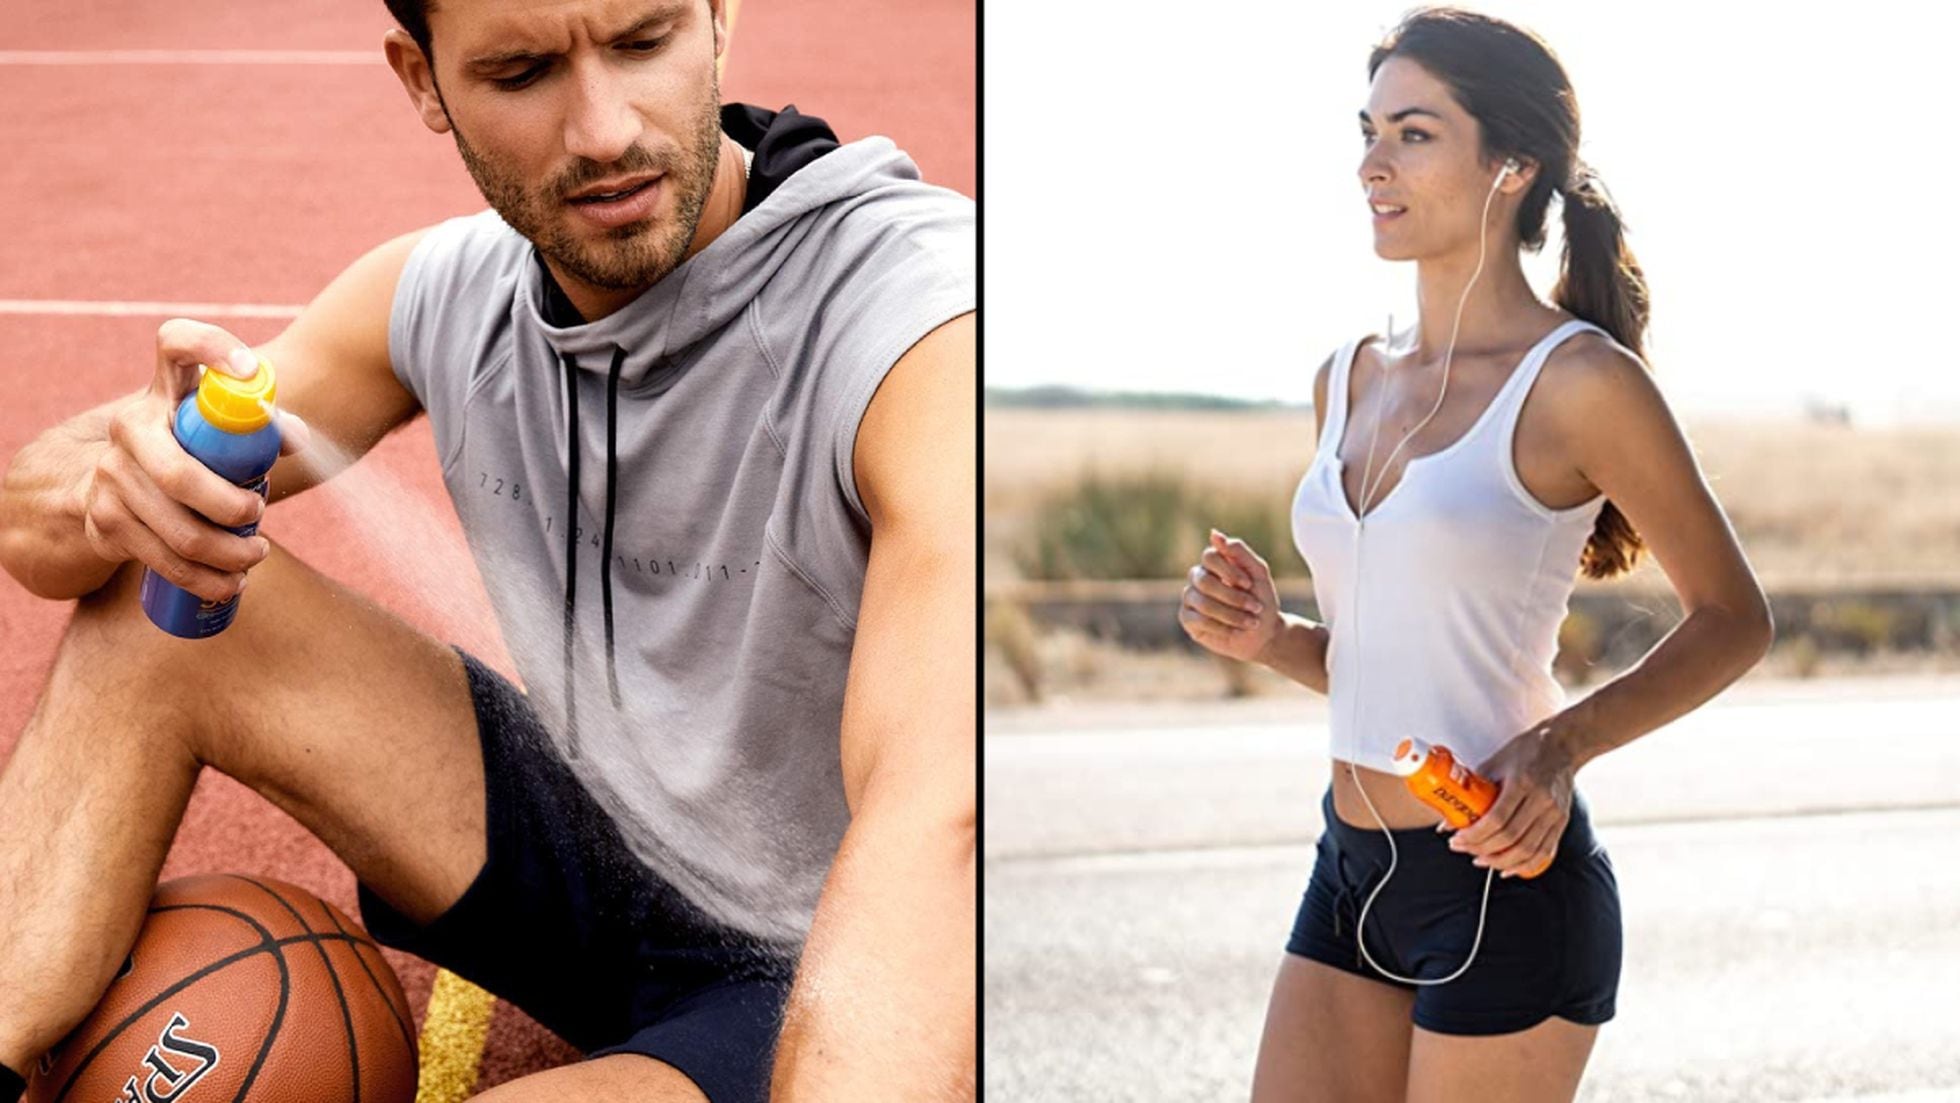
x,y
1592,357
1338,359
1343,358
1591,375
1364,349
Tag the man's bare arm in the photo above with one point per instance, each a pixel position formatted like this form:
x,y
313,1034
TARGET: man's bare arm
x,y
109,485
885,1001
335,371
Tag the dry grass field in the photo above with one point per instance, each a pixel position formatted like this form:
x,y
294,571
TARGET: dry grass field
x,y
1813,504
1818,507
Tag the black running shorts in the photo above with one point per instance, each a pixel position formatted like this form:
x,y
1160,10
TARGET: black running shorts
x,y
1551,944
565,923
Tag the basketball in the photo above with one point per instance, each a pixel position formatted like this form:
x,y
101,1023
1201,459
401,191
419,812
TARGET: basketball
x,y
240,989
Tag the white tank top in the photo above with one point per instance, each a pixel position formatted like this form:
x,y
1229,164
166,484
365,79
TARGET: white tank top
x,y
1465,583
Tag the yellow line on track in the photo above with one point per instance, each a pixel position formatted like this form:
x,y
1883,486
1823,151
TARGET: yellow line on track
x,y
453,1033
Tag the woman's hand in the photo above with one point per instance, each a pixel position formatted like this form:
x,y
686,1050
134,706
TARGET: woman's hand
x,y
1230,606
1520,833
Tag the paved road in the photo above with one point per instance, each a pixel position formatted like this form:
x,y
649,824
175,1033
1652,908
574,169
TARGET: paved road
x,y
1792,904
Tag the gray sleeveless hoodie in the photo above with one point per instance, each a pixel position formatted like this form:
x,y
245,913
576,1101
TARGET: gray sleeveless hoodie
x,y
663,509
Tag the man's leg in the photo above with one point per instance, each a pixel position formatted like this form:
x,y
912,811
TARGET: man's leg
x,y
354,723
619,1078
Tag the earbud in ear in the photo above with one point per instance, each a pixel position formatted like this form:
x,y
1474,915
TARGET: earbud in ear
x,y
1511,166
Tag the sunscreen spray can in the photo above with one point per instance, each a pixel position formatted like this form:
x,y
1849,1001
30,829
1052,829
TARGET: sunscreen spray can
x,y
1437,779
227,425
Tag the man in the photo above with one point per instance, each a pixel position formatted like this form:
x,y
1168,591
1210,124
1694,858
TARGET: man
x,y
702,385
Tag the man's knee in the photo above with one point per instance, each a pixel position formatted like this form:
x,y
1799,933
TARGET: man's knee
x,y
111,607
106,647
618,1076
126,667
113,618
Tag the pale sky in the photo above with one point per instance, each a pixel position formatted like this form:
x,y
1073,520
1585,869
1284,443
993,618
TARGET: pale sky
x,y
1172,205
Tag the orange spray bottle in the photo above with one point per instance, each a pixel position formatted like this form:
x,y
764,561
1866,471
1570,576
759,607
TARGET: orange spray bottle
x,y
1437,779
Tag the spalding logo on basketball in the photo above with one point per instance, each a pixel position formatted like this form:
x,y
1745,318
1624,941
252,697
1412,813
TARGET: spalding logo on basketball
x,y
163,1082
240,990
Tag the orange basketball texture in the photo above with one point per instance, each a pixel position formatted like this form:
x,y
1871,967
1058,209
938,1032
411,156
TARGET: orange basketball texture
x,y
242,990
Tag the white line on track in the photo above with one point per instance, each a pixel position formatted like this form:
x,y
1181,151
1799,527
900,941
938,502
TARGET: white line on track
x,y
191,57
116,309
1941,1095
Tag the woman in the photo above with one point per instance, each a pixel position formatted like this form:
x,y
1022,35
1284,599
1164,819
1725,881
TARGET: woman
x,y
1534,445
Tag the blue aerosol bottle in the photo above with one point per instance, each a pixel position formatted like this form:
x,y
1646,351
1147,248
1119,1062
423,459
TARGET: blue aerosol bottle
x,y
227,424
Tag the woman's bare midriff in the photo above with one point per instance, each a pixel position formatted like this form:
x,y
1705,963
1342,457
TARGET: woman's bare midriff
x,y
1398,807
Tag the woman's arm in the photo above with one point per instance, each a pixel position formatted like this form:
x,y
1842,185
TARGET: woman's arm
x,y
1611,418
1647,469
1230,605
1299,651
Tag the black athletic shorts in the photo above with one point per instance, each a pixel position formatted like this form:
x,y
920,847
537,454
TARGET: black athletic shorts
x,y
565,923
1551,943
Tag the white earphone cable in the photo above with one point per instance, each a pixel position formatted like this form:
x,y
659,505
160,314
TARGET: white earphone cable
x,y
1360,518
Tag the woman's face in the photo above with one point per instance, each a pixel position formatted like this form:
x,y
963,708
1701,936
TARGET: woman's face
x,y
1421,168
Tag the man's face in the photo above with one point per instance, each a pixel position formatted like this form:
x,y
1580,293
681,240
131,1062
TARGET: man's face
x,y
552,101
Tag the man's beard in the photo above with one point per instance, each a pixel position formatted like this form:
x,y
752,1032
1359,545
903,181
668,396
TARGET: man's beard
x,y
627,257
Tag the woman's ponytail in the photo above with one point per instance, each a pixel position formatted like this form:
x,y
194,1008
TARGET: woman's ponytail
x,y
1601,282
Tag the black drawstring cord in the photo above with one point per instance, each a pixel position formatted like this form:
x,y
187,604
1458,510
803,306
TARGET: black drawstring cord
x,y
571,549
612,480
